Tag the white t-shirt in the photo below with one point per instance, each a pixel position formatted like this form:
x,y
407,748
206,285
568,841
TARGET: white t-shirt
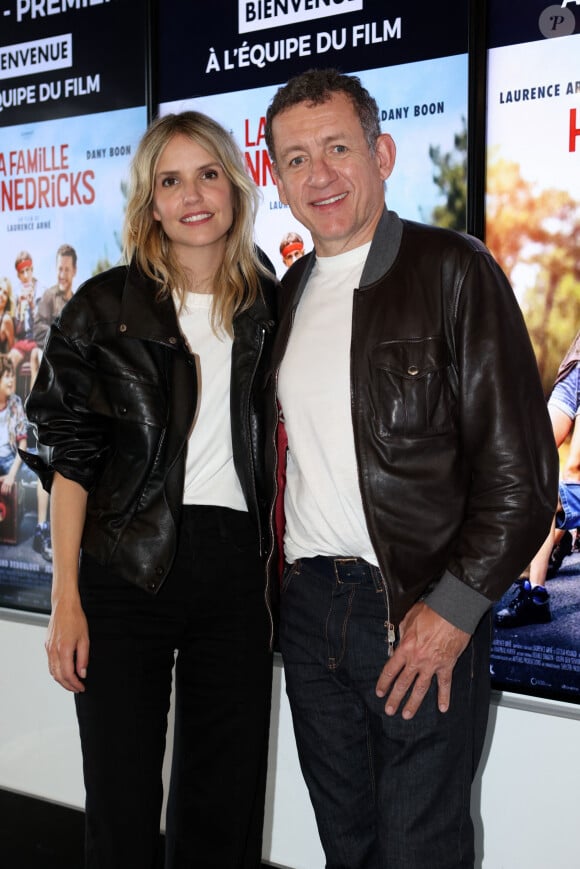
x,y
6,451
210,476
323,504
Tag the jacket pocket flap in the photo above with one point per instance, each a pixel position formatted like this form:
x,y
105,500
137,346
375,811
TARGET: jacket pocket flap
x,y
411,359
127,399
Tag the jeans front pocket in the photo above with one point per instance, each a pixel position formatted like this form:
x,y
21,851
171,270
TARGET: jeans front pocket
x,y
290,571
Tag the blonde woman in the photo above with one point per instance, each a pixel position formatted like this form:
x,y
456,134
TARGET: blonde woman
x,y
149,396
6,316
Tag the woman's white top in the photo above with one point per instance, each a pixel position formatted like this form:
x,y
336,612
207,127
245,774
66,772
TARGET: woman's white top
x,y
210,476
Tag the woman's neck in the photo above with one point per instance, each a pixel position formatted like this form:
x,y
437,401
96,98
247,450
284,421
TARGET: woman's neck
x,y
201,285
201,265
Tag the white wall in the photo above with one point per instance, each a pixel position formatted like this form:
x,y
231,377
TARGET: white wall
x,y
525,802
39,744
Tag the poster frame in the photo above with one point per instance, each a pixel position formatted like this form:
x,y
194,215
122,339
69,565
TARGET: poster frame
x,y
140,88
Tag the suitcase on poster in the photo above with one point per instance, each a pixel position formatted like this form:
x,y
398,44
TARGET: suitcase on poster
x,y
10,515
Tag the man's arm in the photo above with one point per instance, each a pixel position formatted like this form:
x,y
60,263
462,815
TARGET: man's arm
x,y
507,437
43,318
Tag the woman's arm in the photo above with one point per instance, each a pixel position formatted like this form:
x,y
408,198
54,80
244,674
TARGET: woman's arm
x,y
7,331
67,641
7,482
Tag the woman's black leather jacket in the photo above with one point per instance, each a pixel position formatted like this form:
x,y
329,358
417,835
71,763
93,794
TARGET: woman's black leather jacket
x,y
113,405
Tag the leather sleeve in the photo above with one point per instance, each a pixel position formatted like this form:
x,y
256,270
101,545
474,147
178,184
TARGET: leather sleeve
x,y
506,432
72,439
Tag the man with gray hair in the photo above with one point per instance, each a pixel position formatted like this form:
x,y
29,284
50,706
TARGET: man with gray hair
x,y
413,493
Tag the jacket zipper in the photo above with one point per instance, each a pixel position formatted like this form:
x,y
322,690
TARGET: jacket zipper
x,y
254,490
247,419
390,638
272,529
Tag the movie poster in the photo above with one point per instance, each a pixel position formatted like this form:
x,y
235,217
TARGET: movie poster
x,y
411,60
533,229
72,109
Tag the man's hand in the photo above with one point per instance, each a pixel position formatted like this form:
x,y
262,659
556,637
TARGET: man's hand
x,y
429,646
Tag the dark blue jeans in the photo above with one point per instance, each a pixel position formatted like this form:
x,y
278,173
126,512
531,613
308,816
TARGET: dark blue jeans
x,y
387,793
209,620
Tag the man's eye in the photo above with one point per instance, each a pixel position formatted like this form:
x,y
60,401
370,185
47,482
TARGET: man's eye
x,y
297,161
340,149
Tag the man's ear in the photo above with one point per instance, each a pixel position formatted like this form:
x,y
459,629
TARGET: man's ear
x,y
385,153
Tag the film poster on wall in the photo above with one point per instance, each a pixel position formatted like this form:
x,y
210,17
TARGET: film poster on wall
x,y
72,108
533,229
411,59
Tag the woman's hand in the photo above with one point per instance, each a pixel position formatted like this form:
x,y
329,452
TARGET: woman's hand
x,y
6,483
67,640
67,644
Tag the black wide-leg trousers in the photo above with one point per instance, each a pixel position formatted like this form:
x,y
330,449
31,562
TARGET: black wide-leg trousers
x,y
209,621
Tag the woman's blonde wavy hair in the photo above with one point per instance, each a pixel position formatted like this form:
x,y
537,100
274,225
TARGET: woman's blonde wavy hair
x,y
9,307
237,281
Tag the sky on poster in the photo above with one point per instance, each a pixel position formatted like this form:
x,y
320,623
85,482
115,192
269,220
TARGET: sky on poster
x,y
535,132
411,190
102,144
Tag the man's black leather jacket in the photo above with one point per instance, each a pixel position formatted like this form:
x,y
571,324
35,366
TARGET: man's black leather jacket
x,y
114,402
457,462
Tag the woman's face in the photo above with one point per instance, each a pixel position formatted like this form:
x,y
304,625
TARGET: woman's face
x,y
4,295
7,384
192,200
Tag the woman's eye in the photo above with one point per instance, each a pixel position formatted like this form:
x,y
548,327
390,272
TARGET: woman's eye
x,y
210,173
168,182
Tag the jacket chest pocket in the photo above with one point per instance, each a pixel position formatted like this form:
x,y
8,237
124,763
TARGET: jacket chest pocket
x,y
131,413
412,393
128,400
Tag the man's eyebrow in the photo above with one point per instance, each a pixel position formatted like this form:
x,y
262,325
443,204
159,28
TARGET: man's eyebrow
x,y
327,140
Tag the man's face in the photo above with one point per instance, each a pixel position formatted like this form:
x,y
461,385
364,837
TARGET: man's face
x,y
65,272
327,175
25,275
290,258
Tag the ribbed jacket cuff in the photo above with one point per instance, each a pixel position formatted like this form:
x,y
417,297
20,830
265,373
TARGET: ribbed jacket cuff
x,y
457,602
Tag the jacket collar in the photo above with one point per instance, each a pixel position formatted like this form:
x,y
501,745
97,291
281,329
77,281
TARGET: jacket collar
x,y
148,318
384,249
144,316
261,312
